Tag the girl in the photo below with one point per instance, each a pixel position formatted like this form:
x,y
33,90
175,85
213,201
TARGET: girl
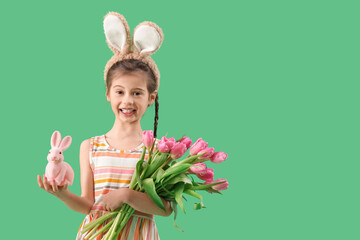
x,y
107,170
107,162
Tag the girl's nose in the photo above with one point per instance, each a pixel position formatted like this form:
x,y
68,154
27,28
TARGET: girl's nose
x,y
128,98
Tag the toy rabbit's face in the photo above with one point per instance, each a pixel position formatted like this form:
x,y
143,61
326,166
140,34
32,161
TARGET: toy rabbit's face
x,y
55,155
129,96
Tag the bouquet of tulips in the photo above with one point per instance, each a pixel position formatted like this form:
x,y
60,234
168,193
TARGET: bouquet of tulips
x,y
164,176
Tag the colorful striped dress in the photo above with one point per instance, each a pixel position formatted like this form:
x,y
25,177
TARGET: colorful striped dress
x,y
113,169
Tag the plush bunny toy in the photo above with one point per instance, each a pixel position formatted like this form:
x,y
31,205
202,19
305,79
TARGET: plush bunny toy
x,y
57,170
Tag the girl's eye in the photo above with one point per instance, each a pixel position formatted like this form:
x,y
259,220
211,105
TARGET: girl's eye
x,y
137,93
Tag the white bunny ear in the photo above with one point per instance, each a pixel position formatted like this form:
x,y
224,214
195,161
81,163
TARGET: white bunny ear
x,y
147,38
116,31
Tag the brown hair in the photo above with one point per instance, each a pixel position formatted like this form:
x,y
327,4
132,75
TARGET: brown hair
x,y
134,65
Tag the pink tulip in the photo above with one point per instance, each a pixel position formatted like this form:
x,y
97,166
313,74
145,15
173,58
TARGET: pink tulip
x,y
178,150
187,141
221,186
148,138
218,157
207,176
165,145
201,170
198,146
208,153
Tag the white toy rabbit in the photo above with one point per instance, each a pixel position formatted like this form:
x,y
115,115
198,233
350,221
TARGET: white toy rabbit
x,y
57,170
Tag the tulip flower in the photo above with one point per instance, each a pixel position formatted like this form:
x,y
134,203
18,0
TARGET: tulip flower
x,y
196,170
219,187
207,176
208,153
148,138
178,150
187,141
218,157
165,145
198,146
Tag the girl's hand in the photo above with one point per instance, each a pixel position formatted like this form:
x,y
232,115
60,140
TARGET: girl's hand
x,y
51,187
115,199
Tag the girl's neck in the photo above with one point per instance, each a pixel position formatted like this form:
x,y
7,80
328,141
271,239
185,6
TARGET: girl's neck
x,y
127,132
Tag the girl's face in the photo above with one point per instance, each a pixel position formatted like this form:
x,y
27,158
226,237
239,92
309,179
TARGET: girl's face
x,y
129,92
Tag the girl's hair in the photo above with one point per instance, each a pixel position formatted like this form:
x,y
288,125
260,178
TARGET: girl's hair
x,y
134,65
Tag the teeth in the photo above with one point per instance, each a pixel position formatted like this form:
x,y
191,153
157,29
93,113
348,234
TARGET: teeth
x,y
126,111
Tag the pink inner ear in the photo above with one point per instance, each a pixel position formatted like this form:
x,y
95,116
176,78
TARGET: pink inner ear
x,y
65,143
55,139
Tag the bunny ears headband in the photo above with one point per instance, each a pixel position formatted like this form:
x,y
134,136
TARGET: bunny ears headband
x,y
146,41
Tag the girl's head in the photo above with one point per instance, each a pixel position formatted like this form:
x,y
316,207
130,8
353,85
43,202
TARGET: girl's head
x,y
131,84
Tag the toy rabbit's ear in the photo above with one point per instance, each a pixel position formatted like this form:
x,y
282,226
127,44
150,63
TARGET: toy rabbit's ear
x,y
117,33
147,38
65,143
55,139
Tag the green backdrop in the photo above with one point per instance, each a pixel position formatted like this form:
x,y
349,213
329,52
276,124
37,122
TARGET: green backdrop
x,y
275,84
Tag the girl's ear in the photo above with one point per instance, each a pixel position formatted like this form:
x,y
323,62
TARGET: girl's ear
x,y
107,96
152,97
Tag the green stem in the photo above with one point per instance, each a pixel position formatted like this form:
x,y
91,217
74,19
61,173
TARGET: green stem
x,y
125,220
92,231
114,225
95,222
106,227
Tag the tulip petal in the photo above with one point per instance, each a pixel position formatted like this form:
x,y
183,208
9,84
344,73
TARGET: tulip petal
x,y
179,188
149,187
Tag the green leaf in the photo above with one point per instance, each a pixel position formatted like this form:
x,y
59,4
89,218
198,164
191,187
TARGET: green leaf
x,y
181,137
138,170
197,206
179,188
136,175
190,160
195,194
159,174
149,187
158,160
162,187
174,207
175,170
180,178
211,190
206,187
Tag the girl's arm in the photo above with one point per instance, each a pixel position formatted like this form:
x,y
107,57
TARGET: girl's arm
x,y
143,203
77,203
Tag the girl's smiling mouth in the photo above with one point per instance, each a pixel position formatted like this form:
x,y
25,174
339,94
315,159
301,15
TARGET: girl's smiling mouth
x,y
127,112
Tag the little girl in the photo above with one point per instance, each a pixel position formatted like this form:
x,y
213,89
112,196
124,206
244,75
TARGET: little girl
x,y
107,162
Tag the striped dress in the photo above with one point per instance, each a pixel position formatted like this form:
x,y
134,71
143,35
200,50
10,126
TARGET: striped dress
x,y
113,169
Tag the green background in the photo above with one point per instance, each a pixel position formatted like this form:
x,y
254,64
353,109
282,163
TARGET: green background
x,y
275,84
